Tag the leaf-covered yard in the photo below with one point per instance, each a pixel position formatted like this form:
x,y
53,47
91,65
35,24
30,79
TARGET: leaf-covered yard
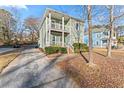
x,y
5,59
105,72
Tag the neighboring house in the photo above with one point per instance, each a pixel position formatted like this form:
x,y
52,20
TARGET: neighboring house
x,y
59,29
120,34
120,30
100,36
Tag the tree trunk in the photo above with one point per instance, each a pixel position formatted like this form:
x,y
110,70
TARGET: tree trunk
x,y
111,32
32,36
79,50
90,33
3,31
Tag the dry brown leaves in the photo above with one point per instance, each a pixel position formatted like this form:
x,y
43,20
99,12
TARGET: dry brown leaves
x,y
105,73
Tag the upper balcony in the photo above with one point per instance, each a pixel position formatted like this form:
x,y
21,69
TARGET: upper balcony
x,y
104,37
58,27
107,37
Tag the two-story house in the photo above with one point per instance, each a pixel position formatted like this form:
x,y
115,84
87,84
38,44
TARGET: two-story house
x,y
100,36
120,34
59,29
120,31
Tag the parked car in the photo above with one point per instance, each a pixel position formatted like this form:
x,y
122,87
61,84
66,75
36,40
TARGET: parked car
x,y
37,46
16,46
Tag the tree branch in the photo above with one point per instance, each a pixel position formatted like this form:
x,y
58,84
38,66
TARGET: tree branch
x,y
116,17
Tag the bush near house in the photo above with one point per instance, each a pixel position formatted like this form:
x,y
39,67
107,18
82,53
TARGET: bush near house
x,y
52,50
63,50
80,47
120,39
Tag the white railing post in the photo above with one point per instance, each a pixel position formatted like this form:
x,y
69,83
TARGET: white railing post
x,y
63,31
49,27
46,30
101,43
55,41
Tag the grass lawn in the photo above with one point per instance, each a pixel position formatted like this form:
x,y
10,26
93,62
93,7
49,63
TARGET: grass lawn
x,y
5,59
104,73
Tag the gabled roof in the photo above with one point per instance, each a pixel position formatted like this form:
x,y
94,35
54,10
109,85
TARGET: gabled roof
x,y
98,28
59,14
62,14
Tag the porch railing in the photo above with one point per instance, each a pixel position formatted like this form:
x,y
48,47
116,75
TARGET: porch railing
x,y
58,26
53,43
104,37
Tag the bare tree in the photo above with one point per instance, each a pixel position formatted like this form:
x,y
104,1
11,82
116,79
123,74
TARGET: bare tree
x,y
111,30
32,25
19,27
112,20
89,8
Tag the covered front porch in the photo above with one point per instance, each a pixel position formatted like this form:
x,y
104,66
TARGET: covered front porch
x,y
56,38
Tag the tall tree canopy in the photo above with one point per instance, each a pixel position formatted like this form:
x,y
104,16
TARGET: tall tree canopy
x,y
31,24
7,24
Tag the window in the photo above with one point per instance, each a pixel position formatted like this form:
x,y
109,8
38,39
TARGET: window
x,y
104,41
53,38
97,43
77,26
53,24
105,33
98,35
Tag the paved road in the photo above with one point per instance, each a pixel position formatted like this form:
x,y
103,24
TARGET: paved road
x,y
33,69
2,50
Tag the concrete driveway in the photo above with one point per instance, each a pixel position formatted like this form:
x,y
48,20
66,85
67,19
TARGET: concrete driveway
x,y
33,69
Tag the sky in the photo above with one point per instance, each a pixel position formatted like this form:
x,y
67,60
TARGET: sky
x,y
38,10
100,13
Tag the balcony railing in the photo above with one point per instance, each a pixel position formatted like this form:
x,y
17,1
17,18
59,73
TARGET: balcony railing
x,y
58,26
104,37
53,43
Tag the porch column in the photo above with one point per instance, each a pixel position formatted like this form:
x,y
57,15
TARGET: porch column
x,y
49,27
70,32
101,43
55,40
46,30
62,31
